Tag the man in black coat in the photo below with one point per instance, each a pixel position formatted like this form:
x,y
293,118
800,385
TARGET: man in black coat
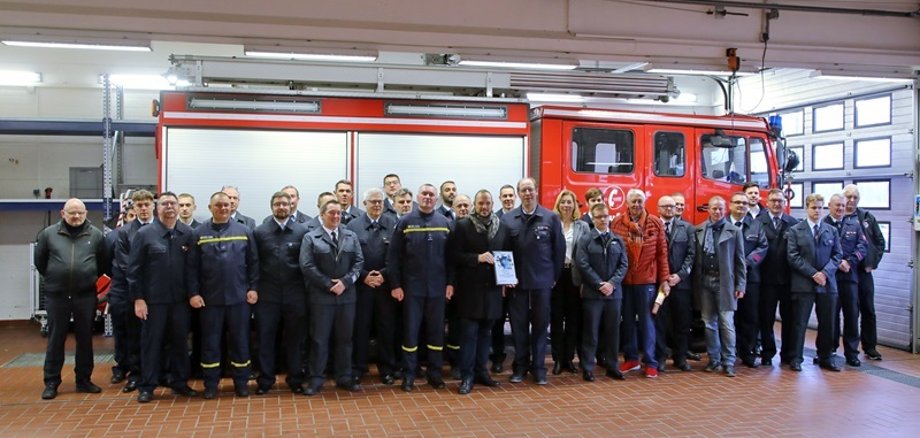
x,y
675,313
876,249
157,270
234,194
282,295
774,285
331,261
853,247
755,248
813,252
600,258
477,296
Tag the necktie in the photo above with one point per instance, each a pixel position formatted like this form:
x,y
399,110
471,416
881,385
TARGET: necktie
x,y
738,224
815,228
708,246
335,239
667,228
776,223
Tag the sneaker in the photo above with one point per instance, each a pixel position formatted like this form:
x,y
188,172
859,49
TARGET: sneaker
x,y
630,365
711,367
873,354
651,372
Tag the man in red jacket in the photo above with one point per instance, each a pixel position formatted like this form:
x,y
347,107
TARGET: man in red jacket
x,y
647,251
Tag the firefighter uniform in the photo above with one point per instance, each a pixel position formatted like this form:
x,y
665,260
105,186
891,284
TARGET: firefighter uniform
x,y
418,263
223,267
157,267
126,327
282,299
853,247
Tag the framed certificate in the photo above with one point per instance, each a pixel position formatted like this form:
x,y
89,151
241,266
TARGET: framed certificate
x,y
504,268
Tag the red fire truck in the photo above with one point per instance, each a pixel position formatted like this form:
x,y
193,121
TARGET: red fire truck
x,y
262,142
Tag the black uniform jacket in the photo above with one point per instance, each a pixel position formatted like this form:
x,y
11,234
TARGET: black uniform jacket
x,y
280,278
158,263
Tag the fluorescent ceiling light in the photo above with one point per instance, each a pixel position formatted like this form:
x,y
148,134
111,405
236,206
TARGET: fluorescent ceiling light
x,y
863,78
126,48
668,71
447,111
143,82
311,56
554,97
255,105
14,77
518,65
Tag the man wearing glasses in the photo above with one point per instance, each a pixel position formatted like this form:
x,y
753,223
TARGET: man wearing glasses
x,y
674,315
774,286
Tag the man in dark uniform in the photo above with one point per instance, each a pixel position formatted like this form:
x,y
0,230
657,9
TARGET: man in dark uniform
x,y
126,327
602,263
296,215
752,192
421,278
282,296
507,197
187,209
233,193
375,307
774,287
331,261
539,255
813,251
755,249
321,200
70,256
448,194
478,298
344,192
157,280
853,247
674,314
223,276
876,249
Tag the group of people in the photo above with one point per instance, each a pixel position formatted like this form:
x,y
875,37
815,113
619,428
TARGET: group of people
x,y
420,278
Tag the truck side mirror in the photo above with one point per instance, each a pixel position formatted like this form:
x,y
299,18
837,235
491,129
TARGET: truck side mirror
x,y
792,161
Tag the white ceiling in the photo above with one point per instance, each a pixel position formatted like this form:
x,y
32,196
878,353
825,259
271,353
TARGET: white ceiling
x,y
662,34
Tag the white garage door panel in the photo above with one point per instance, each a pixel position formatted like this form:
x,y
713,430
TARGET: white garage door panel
x,y
473,162
200,161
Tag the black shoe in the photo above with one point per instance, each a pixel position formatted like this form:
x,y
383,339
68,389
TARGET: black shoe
x,y
351,386
570,367
436,382
408,383
312,390
540,380
750,362
185,391
694,357
131,386
830,365
587,376
387,379
262,390
144,396
297,389
795,366
118,376
241,391
50,392
517,377
683,366
711,367
854,362
210,393
89,387
497,367
873,354
486,380
615,374
730,371
557,368
466,386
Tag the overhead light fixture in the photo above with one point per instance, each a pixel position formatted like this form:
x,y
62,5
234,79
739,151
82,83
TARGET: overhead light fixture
x,y
555,97
198,103
321,57
144,82
518,65
819,75
19,77
669,71
77,45
476,112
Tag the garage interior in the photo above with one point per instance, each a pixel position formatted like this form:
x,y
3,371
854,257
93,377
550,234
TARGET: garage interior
x,y
842,75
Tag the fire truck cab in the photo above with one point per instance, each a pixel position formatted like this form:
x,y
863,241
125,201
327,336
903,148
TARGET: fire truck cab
x,y
615,150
